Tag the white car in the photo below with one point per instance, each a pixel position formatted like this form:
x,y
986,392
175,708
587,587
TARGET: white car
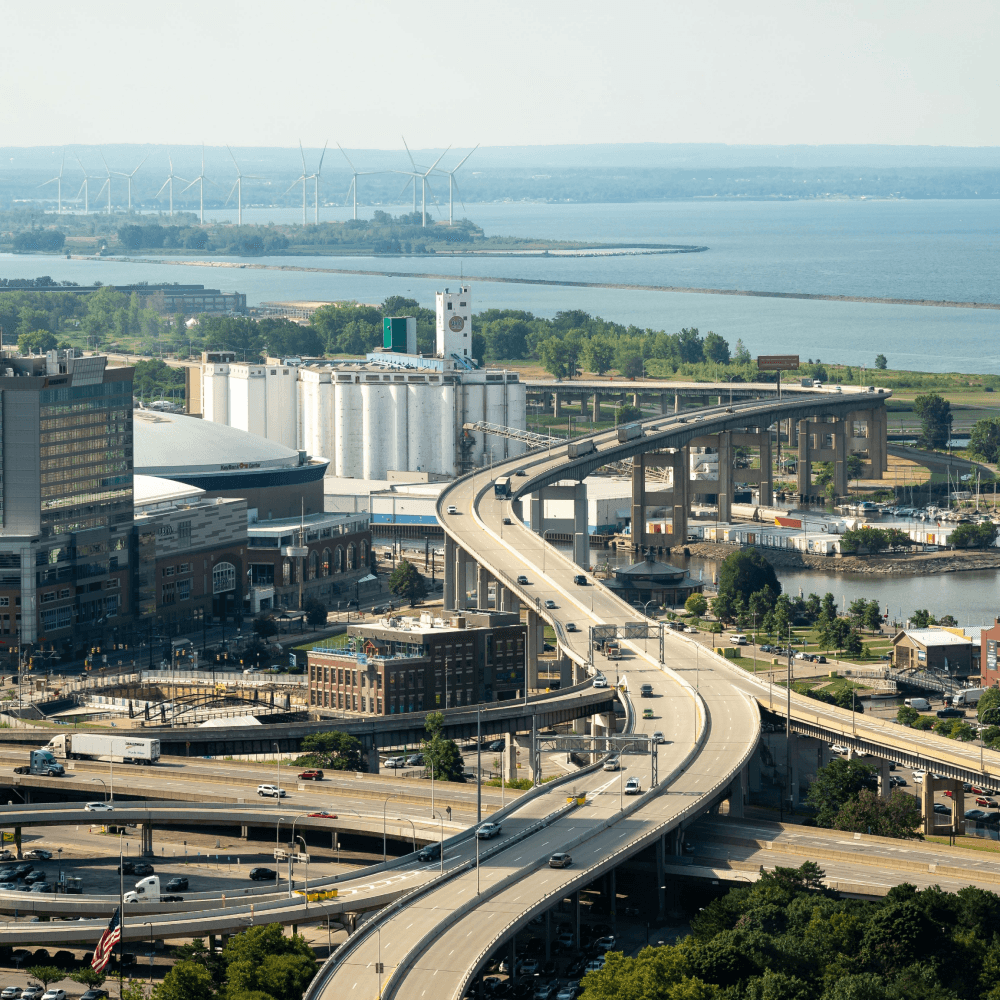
x,y
691,629
600,682
98,807
918,777
452,509
595,964
632,787
489,830
395,762
271,791
614,764
54,995
838,749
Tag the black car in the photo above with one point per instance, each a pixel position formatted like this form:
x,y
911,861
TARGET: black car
x,y
21,870
95,995
432,852
127,868
171,899
143,869
950,713
496,745
35,876
263,874
178,884
41,887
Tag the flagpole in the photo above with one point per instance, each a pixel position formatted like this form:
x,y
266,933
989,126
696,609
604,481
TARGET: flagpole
x,y
121,909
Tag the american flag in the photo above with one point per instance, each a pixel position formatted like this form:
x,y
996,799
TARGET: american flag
x,y
111,937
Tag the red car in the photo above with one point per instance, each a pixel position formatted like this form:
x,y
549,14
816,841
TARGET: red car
x,y
323,815
986,802
311,776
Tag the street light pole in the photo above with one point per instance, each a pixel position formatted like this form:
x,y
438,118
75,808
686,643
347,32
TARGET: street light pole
x,y
384,804
441,841
277,765
305,887
413,830
479,764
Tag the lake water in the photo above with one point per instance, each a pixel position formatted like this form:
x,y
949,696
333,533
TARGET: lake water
x,y
899,249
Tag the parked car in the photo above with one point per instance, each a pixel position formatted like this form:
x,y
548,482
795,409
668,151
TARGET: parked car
x,y
415,760
54,995
566,940
529,967
270,791
977,814
496,746
693,631
605,943
38,854
35,992
41,887
8,886
35,876
560,860
179,884
394,762
819,658
143,868
311,775
987,802
950,713
595,964
127,867
940,807
263,875
94,995
10,993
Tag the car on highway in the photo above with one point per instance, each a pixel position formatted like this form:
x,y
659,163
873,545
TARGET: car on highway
x,y
263,875
432,852
987,802
323,815
98,807
38,854
613,764
270,791
489,830
560,860
571,627
580,580
550,605
507,520
178,884
522,579
600,681
658,737
645,690
314,774
452,509
647,713
54,995
632,787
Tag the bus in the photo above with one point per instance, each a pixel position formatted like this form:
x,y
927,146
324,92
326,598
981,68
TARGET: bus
x,y
501,488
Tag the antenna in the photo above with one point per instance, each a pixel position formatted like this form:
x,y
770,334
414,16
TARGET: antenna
x,y
57,180
171,177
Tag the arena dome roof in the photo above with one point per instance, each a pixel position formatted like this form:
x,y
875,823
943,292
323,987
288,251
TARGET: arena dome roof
x,y
177,446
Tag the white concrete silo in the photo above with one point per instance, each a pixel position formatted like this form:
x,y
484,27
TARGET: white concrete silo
x,y
215,393
398,454
445,457
347,429
420,430
375,418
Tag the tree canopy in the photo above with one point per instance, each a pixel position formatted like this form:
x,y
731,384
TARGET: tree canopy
x,y
935,419
406,582
835,784
334,750
442,753
746,572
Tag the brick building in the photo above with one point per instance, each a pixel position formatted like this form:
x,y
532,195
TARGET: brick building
x,y
989,639
936,649
404,664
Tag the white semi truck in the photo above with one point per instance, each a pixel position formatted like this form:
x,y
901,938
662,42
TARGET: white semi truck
x,y
88,746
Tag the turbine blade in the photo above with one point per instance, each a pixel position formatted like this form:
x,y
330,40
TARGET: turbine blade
x,y
406,185
232,192
408,153
191,185
82,186
296,181
346,157
303,155
464,158
235,164
165,183
82,167
458,192
436,162
350,188
321,155
106,167
141,162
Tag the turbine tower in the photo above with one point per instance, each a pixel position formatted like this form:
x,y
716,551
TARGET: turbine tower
x,y
200,181
453,186
57,180
302,179
171,177
238,188
129,177
315,179
424,184
107,182
85,186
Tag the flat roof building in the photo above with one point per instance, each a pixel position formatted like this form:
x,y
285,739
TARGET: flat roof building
x,y
936,649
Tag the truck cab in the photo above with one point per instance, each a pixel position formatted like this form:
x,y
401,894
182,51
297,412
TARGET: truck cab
x,y
147,890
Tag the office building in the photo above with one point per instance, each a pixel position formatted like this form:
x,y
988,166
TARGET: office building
x,y
65,499
413,664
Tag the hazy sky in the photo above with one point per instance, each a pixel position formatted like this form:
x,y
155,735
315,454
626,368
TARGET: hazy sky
x,y
504,72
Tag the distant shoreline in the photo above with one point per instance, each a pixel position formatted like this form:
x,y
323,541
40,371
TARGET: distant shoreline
x,y
938,303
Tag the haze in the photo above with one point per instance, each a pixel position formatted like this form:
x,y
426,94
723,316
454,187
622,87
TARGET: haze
x,y
512,73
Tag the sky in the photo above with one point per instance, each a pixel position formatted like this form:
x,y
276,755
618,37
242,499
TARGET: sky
x,y
503,72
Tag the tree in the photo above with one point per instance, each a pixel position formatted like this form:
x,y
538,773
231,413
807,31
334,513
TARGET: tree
x,y
935,419
38,341
406,582
443,754
922,619
835,784
315,613
906,716
88,977
984,440
261,960
627,414
867,812
265,626
46,974
988,707
948,621
872,617
715,348
881,362
853,646
630,364
746,571
554,355
334,750
873,540
696,605
974,536
598,356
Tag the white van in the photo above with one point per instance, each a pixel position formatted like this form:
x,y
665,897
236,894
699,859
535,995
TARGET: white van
x,y
920,704
738,640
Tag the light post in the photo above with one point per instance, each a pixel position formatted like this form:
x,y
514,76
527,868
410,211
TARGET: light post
x,y
432,789
277,767
277,829
413,830
477,862
384,804
305,887
103,782
441,841
149,924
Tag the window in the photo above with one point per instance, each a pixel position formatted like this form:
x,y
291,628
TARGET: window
x,y
338,560
286,571
184,535
63,594
168,571
183,590
325,564
4,602
313,565
49,597
223,577
364,553
169,593
183,568
352,555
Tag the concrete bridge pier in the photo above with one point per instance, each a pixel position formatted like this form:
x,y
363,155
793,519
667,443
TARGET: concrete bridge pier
x,y
803,467
535,643
725,476
927,803
147,840
369,753
449,573
884,784
738,795
482,588
595,413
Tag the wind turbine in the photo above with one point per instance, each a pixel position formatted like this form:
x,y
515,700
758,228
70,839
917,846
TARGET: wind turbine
x,y
364,173
171,177
423,182
107,182
453,186
200,181
238,188
85,186
315,179
129,177
58,181
303,178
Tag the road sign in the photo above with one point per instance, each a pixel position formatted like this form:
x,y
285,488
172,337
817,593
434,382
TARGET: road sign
x,y
777,362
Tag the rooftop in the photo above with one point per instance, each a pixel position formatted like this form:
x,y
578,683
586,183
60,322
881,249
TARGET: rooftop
x,y
935,637
152,490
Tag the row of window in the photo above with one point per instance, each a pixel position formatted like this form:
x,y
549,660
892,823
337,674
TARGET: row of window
x,y
103,495
180,569
174,592
67,476
111,439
